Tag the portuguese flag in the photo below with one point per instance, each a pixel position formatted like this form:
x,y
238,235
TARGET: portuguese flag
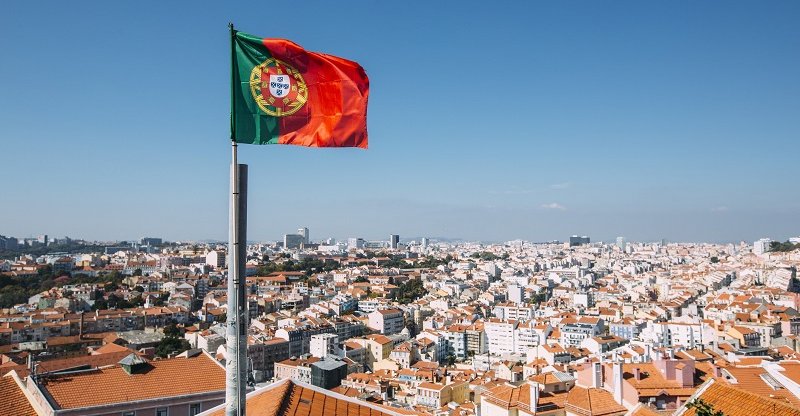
x,y
283,94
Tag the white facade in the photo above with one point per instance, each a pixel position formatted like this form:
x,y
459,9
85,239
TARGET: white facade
x,y
322,345
761,246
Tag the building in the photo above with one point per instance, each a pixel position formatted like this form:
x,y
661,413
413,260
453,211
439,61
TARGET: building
x,y
761,246
515,293
151,241
181,386
394,241
294,368
500,336
304,233
436,395
216,259
264,355
387,321
578,241
8,243
621,243
289,397
328,372
322,345
291,241
572,335
355,243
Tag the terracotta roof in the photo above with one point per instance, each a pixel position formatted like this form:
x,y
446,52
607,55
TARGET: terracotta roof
x,y
732,401
166,378
288,397
92,361
750,379
13,401
508,397
592,401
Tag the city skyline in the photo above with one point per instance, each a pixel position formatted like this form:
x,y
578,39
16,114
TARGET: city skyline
x,y
646,121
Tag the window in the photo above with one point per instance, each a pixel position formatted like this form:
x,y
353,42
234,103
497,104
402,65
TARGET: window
x,y
162,411
194,409
128,413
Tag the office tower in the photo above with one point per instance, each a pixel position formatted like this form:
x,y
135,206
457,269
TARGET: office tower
x,y
292,241
394,240
304,232
578,241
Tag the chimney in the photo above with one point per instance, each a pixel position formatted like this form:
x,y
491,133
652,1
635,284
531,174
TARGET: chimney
x,y
648,355
597,375
534,395
637,373
671,353
618,383
80,328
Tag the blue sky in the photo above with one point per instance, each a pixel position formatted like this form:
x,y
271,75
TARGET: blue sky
x,y
487,120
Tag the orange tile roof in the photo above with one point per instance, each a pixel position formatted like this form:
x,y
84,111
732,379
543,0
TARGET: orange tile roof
x,y
508,396
288,397
593,402
166,378
92,361
732,401
12,400
749,379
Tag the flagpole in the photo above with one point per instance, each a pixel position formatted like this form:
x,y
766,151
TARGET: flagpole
x,y
236,331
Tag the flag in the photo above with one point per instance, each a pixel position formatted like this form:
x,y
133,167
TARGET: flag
x,y
283,94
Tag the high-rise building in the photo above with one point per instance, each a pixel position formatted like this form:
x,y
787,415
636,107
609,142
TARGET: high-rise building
x,y
621,243
304,232
151,241
291,241
355,243
394,240
761,246
8,243
425,242
578,241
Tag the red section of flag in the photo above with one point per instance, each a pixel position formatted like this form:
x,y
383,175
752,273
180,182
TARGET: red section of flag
x,y
335,114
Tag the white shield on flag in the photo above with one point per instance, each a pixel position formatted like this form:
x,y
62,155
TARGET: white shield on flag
x,y
279,85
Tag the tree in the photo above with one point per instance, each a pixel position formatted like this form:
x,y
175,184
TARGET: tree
x,y
170,345
172,330
702,408
137,272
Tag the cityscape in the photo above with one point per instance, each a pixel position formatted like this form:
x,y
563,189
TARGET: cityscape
x,y
401,326
377,208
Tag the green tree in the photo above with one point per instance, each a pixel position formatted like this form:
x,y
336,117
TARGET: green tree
x,y
702,408
172,330
170,345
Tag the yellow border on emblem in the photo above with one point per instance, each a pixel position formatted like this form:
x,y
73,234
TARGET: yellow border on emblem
x,y
267,105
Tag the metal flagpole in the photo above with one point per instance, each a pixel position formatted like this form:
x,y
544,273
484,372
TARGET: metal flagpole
x,y
236,331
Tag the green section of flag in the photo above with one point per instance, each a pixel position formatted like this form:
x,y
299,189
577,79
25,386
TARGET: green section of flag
x,y
248,123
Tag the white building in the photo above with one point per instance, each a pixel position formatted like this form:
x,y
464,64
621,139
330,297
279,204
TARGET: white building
x,y
322,345
761,246
500,336
387,321
215,259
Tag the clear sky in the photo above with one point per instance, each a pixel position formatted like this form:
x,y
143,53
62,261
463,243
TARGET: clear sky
x,y
487,120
